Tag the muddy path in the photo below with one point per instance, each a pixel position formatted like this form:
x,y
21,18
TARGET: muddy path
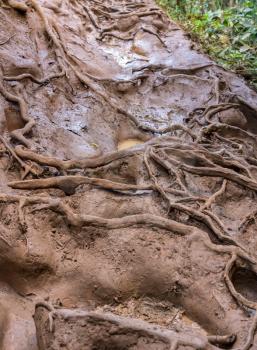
x,y
128,183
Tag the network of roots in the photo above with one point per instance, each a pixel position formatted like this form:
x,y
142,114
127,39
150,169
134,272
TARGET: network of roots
x,y
192,170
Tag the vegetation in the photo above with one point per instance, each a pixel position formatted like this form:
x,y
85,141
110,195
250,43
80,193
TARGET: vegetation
x,y
227,30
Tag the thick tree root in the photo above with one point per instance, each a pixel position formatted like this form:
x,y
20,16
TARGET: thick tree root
x,y
88,220
173,339
93,162
68,184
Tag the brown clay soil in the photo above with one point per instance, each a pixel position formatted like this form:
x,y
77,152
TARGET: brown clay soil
x,y
128,174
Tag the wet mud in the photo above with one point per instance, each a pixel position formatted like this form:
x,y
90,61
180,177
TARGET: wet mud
x,y
128,175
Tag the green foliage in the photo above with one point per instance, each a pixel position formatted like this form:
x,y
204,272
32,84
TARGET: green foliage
x,y
227,30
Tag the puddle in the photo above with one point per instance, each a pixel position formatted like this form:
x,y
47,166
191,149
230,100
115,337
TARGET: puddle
x,y
245,282
129,143
121,55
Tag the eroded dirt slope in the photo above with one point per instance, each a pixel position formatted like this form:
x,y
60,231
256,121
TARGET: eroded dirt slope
x,y
128,183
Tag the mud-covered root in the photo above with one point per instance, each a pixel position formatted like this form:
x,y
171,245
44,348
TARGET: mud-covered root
x,y
20,6
90,162
28,166
218,128
44,304
41,81
251,217
77,321
223,340
213,198
18,134
80,220
250,338
68,184
206,217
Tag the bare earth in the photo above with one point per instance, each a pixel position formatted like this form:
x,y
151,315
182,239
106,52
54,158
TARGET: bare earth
x,y
128,174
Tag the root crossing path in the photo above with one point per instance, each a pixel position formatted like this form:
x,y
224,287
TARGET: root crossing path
x,y
128,183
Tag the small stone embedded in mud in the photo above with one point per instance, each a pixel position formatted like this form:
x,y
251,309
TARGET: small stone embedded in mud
x,y
129,143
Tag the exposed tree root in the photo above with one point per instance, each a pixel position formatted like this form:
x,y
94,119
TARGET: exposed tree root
x,y
68,184
209,220
30,122
220,127
126,221
6,40
171,128
147,30
88,220
204,148
247,220
213,198
51,314
173,339
222,172
250,338
185,76
138,14
188,69
116,36
33,78
28,168
210,169
91,17
93,162
212,110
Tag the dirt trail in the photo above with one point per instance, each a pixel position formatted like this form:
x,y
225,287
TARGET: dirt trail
x,y
128,183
